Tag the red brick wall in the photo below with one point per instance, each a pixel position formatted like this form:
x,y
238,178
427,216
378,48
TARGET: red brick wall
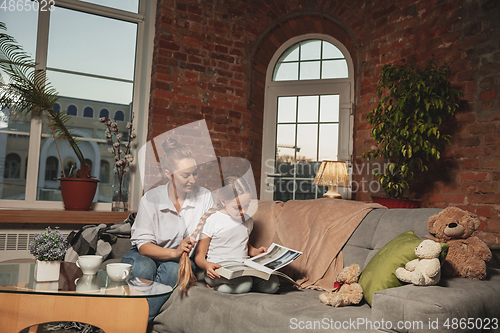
x,y
211,57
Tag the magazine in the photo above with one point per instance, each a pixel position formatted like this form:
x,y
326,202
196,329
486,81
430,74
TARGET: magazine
x,y
263,265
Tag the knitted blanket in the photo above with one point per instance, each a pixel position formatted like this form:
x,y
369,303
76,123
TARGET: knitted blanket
x,y
97,239
318,228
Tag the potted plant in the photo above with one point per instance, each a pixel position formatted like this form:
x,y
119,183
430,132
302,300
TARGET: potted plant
x,y
28,91
407,122
49,248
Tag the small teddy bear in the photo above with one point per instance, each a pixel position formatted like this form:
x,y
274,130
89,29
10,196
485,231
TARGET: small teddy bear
x,y
426,270
347,290
467,254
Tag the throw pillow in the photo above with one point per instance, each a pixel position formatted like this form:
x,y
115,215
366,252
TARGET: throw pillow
x,y
380,273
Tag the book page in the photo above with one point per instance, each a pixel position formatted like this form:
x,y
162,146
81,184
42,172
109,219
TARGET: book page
x,y
276,257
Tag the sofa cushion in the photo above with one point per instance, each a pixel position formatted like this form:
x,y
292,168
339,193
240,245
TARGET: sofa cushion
x,y
379,274
379,227
450,301
205,310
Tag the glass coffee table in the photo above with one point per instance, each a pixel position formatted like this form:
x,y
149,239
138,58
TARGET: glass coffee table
x,y
95,300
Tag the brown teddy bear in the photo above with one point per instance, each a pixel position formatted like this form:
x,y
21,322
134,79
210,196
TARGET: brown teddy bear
x,y
347,290
467,254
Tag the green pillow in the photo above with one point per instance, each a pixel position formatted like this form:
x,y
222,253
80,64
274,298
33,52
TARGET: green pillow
x,y
380,273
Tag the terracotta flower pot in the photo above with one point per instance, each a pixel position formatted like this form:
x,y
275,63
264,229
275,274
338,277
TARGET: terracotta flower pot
x,y
78,193
397,203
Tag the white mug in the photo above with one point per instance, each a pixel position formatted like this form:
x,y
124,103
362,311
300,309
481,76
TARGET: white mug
x,y
118,271
87,283
89,264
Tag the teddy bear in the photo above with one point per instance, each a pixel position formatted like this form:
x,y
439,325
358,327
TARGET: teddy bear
x,y
346,290
426,270
467,254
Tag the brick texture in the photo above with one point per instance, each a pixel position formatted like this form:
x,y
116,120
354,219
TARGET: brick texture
x,y
211,57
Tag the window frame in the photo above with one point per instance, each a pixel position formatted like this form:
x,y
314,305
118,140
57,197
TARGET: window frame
x,y
145,21
343,86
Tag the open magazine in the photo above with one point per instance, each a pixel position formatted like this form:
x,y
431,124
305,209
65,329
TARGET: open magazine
x,y
263,265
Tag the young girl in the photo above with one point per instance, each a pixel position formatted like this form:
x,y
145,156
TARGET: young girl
x,y
225,240
167,215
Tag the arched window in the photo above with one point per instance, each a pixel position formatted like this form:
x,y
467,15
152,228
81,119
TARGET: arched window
x,y
306,115
119,115
56,107
104,113
51,168
104,172
12,166
72,110
88,112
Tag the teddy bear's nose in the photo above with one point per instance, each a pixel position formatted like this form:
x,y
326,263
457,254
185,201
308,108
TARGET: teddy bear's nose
x,y
452,225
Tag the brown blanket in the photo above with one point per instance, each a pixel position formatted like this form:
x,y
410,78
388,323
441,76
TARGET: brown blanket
x,y
319,229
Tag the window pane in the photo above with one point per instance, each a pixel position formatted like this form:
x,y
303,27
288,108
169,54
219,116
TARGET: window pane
x,y
84,87
330,51
329,108
128,5
285,136
22,25
283,189
305,190
328,141
310,70
104,46
285,149
334,69
292,54
308,108
307,136
285,162
286,71
287,109
310,50
15,130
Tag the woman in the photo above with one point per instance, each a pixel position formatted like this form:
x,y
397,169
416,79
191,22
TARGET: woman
x,y
167,216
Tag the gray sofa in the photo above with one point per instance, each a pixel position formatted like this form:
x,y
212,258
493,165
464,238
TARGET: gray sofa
x,y
403,309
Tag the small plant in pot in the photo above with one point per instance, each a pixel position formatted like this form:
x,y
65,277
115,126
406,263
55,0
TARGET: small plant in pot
x,y
49,248
28,91
407,123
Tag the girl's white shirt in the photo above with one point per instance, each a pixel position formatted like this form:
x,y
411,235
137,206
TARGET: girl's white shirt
x,y
229,238
159,223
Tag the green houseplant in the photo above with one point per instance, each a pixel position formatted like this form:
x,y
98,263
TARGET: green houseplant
x,y
407,121
49,248
28,91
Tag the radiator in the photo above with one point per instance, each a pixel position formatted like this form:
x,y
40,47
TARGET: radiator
x,y
14,243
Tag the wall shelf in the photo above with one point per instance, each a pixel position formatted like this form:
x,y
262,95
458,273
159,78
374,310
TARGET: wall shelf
x,y
61,216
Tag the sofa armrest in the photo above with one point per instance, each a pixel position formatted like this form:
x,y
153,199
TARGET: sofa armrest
x,y
421,306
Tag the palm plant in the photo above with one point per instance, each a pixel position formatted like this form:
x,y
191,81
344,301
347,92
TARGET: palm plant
x,y
29,92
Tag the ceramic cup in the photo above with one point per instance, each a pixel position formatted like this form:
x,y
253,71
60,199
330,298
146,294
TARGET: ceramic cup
x,y
87,283
89,264
118,271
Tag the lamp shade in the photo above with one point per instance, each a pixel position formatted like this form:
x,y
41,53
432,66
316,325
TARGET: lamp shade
x,y
332,174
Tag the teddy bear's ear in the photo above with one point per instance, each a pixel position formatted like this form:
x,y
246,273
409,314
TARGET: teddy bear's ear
x,y
430,223
476,221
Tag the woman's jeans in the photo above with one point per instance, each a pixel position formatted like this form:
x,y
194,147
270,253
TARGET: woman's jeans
x,y
165,272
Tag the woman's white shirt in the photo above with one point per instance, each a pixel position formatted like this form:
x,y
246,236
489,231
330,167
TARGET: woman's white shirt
x,y
159,223
229,238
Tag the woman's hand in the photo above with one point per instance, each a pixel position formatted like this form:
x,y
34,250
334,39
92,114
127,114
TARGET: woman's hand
x,y
211,267
252,251
186,245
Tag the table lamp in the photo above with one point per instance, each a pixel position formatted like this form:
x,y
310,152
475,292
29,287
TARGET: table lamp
x,y
332,174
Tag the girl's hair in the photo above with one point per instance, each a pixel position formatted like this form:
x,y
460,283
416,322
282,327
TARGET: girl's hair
x,y
234,186
174,152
